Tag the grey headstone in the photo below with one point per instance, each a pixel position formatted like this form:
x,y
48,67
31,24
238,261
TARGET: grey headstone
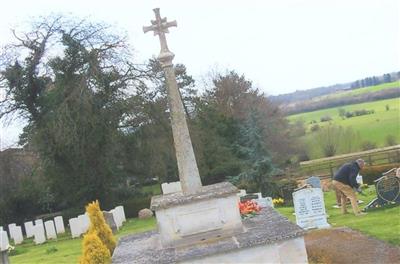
x,y
110,221
314,181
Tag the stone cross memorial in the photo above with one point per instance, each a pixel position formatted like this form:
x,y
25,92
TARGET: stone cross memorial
x,y
202,224
309,208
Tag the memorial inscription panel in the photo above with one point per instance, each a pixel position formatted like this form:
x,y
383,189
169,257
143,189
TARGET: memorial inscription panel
x,y
310,208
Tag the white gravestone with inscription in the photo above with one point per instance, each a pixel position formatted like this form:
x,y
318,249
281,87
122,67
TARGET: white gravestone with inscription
x,y
309,208
28,229
59,223
38,234
50,229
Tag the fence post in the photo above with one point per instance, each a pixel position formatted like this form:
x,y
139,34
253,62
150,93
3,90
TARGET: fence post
x,y
330,168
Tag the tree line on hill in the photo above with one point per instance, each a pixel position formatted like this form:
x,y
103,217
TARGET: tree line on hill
x,y
301,98
374,80
99,121
308,106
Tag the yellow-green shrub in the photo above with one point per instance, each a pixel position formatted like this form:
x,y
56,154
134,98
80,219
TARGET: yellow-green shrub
x,y
99,226
94,251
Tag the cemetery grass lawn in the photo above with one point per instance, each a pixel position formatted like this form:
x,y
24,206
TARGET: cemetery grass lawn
x,y
67,250
381,223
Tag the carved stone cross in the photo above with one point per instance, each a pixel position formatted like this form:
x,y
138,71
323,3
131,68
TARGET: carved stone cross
x,y
187,166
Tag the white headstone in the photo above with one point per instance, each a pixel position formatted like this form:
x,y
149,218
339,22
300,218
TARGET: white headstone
x,y
171,187
242,193
38,234
75,226
39,221
28,229
1,228
121,212
265,202
84,222
3,240
309,208
117,217
59,222
11,230
50,229
18,236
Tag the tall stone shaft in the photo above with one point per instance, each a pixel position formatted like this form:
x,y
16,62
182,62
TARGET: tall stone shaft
x,y
188,172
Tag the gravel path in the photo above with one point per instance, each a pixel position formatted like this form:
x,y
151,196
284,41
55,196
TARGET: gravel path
x,y
344,245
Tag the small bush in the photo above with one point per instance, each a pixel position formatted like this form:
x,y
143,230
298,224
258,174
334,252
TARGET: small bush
x,y
367,145
99,226
315,128
390,140
94,251
326,118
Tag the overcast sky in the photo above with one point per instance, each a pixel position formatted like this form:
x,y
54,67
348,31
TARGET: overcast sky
x,y
282,46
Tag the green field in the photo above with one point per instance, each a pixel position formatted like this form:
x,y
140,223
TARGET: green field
x,y
383,223
369,89
374,127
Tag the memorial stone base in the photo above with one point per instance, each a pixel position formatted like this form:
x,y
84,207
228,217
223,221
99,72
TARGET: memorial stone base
x,y
266,238
189,218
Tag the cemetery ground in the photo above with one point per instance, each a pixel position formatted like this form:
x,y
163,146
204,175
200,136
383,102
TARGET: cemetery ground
x,y
374,128
381,223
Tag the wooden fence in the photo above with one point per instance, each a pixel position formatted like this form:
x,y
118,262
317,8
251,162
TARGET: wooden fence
x,y
326,167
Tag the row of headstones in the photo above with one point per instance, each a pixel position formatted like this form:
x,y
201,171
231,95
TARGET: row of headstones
x,y
39,231
80,224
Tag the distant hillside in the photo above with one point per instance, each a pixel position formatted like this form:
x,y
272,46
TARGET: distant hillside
x,y
364,90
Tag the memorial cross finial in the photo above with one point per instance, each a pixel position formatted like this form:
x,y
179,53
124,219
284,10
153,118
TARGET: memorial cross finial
x,y
187,166
160,27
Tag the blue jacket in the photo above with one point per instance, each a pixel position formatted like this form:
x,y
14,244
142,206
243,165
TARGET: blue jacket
x,y
347,174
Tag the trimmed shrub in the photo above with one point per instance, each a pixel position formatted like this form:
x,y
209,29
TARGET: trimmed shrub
x,y
371,173
94,251
99,226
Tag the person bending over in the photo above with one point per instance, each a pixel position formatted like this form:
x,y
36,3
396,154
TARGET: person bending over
x,y
344,181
